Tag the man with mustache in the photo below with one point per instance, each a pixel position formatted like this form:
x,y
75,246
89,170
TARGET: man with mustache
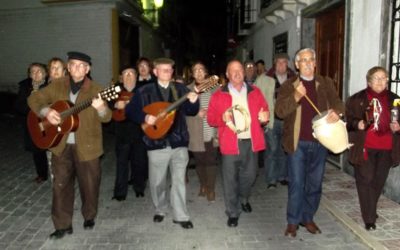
x,y
306,156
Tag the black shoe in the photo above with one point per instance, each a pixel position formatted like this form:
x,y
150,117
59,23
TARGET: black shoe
x,y
284,182
118,198
370,226
59,233
40,179
130,182
246,208
88,224
271,186
185,224
233,221
158,218
139,194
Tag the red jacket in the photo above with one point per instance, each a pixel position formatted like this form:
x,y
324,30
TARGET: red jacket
x,y
220,101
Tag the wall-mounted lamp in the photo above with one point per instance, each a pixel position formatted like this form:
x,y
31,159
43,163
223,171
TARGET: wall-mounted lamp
x,y
152,13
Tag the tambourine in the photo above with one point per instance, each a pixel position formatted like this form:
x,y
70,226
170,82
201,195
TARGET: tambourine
x,y
244,115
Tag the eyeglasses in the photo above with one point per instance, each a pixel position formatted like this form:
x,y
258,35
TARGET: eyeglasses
x,y
198,70
78,65
306,60
166,70
379,79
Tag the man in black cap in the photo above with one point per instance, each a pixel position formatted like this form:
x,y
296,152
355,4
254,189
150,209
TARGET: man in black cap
x,y
129,147
77,154
170,151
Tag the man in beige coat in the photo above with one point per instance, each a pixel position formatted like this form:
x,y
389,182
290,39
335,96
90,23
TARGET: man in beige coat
x,y
77,154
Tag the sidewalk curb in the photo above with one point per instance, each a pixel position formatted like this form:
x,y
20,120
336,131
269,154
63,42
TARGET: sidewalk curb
x,y
353,226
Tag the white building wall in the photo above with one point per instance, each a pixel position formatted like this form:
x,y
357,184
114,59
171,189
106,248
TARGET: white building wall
x,y
36,35
261,40
365,38
263,48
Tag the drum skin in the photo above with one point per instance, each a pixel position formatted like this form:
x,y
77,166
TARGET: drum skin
x,y
333,136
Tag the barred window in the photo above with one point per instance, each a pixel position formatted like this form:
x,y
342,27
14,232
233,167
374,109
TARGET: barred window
x,y
394,70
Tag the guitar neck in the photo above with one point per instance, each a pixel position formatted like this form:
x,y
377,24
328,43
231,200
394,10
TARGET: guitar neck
x,y
76,109
176,104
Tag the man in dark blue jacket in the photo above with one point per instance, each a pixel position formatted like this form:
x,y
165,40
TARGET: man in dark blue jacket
x,y
171,149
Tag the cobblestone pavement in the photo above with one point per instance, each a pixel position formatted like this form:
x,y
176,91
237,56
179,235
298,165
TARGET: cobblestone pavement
x,y
340,191
25,221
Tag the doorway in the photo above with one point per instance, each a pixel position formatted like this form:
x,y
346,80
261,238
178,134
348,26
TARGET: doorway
x,y
128,43
329,45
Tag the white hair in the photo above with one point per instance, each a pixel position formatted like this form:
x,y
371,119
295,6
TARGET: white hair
x,y
297,57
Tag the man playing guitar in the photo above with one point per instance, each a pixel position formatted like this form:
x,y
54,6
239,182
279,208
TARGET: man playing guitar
x,y
169,151
77,154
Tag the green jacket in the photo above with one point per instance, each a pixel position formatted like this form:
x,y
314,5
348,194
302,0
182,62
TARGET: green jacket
x,y
289,110
88,136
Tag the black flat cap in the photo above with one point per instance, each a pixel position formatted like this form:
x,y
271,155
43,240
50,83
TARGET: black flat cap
x,y
79,56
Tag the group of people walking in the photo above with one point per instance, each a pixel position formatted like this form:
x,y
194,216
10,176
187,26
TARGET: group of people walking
x,y
271,112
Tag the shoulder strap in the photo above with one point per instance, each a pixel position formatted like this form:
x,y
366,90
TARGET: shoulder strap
x,y
174,92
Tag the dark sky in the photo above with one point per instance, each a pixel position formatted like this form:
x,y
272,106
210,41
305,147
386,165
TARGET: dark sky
x,y
197,30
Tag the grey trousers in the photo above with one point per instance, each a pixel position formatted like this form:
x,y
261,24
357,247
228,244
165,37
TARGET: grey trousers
x,y
159,161
238,176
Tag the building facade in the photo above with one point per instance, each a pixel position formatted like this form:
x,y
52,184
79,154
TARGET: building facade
x,y
113,33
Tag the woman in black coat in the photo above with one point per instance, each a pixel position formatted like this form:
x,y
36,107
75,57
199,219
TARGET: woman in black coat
x,y
375,135
35,81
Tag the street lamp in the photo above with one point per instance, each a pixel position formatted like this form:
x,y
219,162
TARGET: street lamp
x,y
158,3
153,12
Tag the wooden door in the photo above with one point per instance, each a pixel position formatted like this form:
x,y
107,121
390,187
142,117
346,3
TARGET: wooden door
x,y
329,45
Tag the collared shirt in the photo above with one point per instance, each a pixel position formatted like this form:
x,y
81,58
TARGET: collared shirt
x,y
145,78
240,98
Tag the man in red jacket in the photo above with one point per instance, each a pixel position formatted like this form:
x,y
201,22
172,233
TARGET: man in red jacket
x,y
240,136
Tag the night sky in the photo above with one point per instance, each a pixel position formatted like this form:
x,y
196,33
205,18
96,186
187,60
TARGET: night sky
x,y
197,31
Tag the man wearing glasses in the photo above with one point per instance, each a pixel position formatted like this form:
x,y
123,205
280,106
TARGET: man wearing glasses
x,y
306,156
77,154
169,152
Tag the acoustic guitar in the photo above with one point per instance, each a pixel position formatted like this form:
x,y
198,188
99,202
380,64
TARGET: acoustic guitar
x,y
45,135
165,111
119,114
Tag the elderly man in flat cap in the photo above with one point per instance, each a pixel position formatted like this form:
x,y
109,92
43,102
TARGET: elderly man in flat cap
x,y
170,150
77,154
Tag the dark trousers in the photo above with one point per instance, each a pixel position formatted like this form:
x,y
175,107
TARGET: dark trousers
x,y
206,166
41,164
238,176
370,179
65,168
131,156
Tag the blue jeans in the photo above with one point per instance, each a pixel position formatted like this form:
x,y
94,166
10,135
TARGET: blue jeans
x,y
306,169
274,156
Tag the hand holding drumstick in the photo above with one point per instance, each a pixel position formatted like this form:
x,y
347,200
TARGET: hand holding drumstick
x,y
301,92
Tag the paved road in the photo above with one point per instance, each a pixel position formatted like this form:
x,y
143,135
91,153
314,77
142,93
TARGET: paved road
x,y
25,207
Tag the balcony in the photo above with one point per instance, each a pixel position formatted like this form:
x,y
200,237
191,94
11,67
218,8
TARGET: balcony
x,y
275,11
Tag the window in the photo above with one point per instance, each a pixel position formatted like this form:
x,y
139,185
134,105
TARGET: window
x,y
394,70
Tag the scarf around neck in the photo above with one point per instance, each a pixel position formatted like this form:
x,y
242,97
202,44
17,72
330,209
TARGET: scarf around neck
x,y
379,110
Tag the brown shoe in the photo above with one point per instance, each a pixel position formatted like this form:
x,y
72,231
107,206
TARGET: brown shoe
x,y
211,196
312,227
291,230
203,191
